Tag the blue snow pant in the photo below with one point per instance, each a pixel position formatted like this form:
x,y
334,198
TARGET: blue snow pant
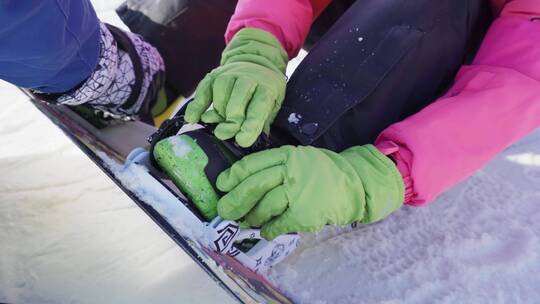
x,y
48,45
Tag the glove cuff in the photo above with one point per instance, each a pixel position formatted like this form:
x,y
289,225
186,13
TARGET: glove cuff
x,y
381,180
256,46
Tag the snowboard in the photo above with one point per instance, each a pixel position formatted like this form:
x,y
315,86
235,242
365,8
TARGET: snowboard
x,y
119,148
189,36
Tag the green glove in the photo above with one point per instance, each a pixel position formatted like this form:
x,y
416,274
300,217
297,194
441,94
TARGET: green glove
x,y
246,91
301,189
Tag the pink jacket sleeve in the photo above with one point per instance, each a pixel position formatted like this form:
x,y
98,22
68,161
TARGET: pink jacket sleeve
x,y
493,103
288,20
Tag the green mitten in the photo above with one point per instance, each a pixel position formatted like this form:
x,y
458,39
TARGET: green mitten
x,y
246,91
301,189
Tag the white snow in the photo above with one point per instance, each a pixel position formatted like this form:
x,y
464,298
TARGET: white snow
x,y
180,147
531,159
294,118
68,235
137,179
295,62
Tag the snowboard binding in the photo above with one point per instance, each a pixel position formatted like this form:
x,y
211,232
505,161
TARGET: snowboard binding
x,y
192,160
247,246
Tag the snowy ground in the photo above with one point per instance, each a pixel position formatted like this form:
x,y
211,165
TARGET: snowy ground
x,y
478,243
67,235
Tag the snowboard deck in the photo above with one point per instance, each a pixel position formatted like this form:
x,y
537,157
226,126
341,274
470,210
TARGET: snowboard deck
x,y
116,141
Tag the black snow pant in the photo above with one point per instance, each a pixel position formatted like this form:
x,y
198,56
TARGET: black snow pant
x,y
371,62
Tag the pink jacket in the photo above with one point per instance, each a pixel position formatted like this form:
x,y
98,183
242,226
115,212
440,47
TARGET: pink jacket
x,y
461,131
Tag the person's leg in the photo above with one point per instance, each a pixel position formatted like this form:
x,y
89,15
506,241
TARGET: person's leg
x,y
187,33
326,20
48,45
62,53
379,63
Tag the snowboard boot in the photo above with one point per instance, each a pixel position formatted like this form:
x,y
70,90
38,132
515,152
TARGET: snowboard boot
x,y
193,161
128,82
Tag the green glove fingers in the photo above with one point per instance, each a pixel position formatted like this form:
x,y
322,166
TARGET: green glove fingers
x,y
221,92
256,117
246,91
235,111
212,116
286,223
274,203
239,201
301,189
248,166
202,100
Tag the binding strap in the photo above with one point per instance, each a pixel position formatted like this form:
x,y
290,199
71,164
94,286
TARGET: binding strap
x,y
125,44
